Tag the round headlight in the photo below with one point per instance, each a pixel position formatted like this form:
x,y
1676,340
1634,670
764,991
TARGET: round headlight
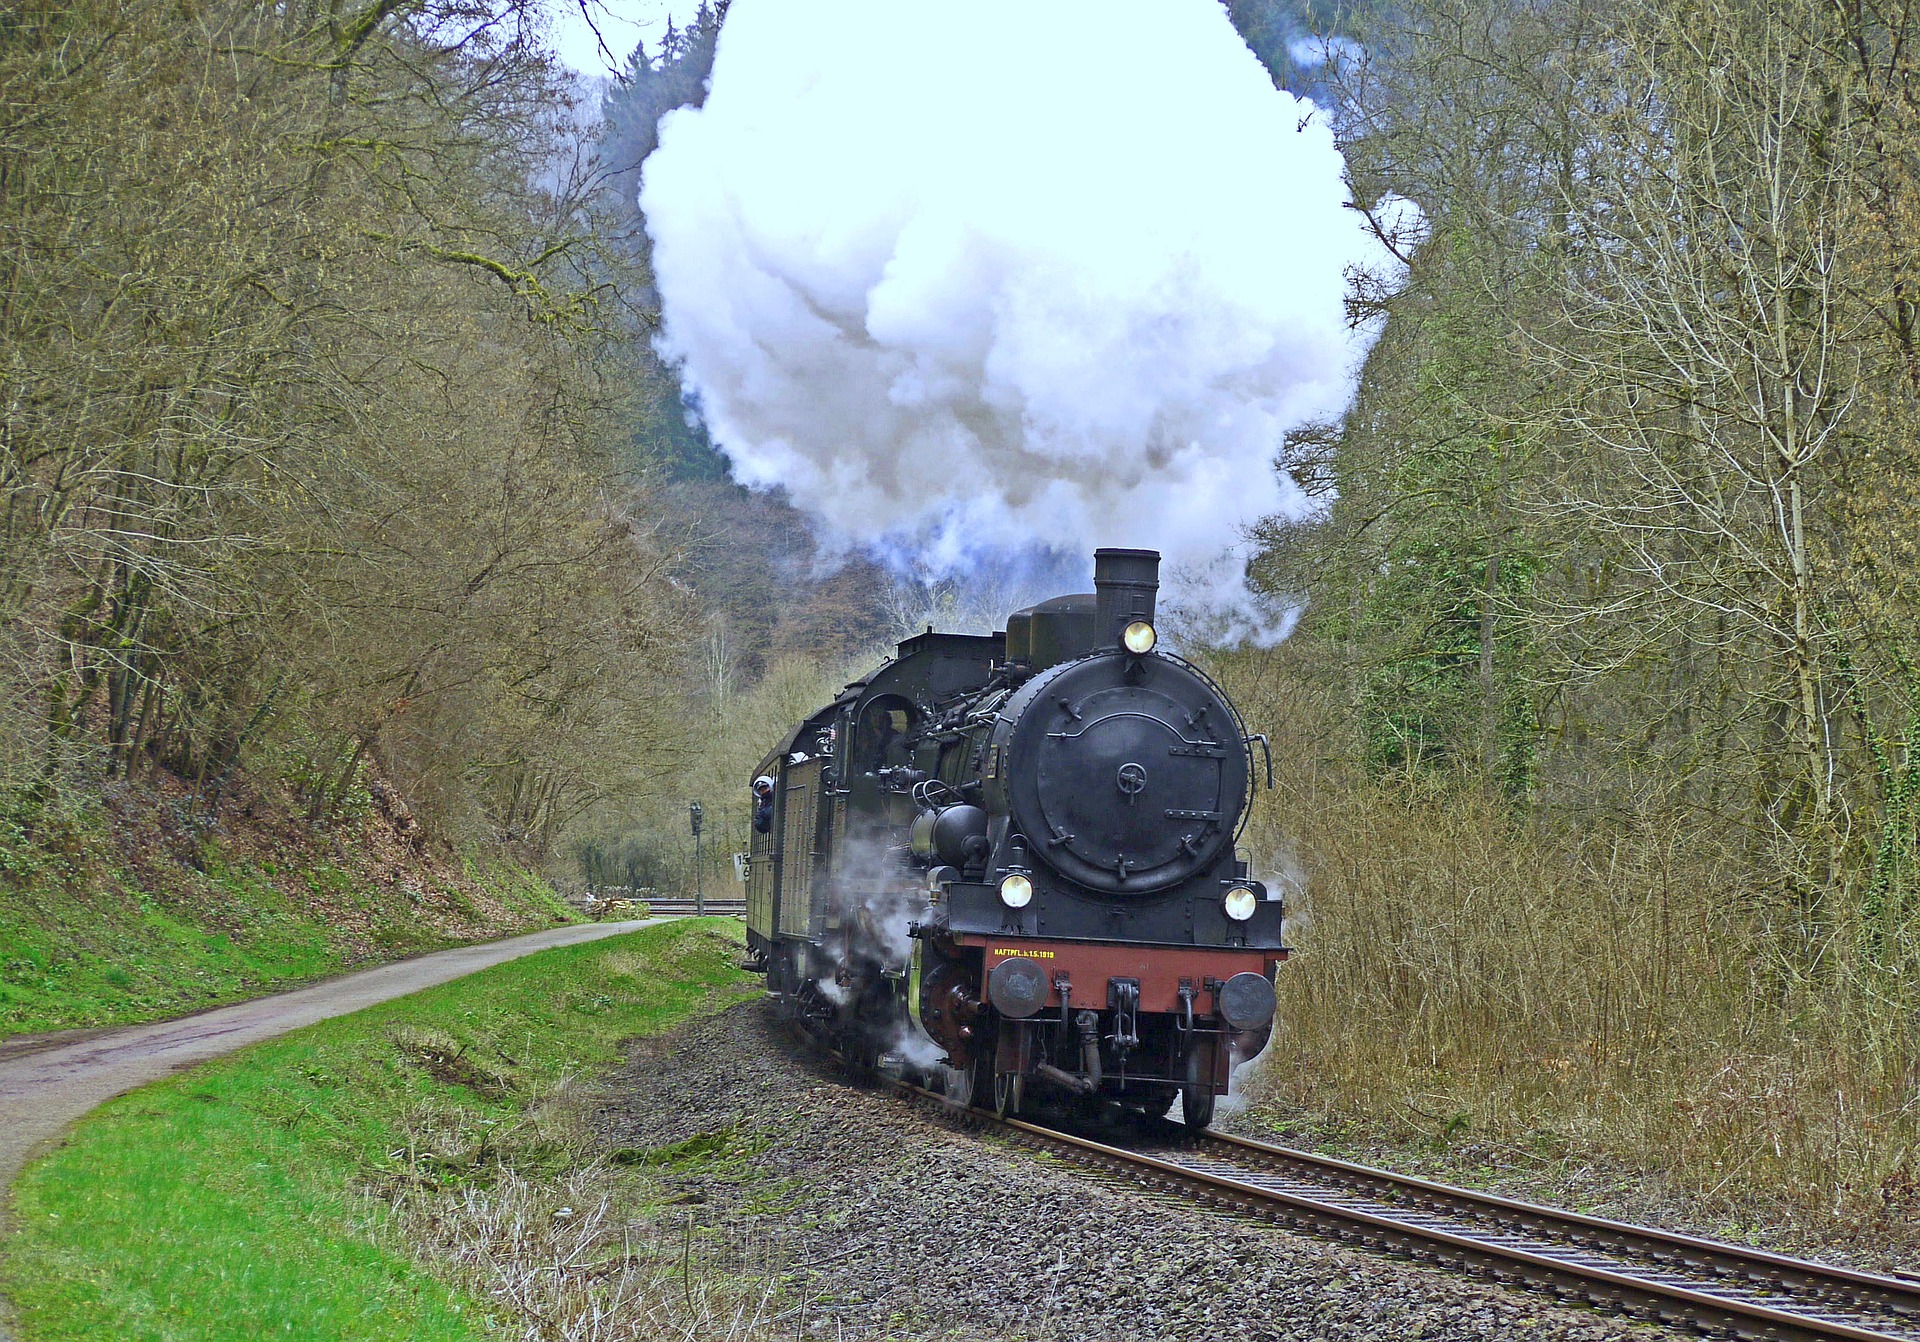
x,y
1240,903
1139,637
1016,891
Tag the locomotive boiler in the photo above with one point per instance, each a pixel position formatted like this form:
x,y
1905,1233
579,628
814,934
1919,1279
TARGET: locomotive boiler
x,y
1009,860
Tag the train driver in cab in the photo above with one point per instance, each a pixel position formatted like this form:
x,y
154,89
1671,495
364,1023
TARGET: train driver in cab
x,y
762,804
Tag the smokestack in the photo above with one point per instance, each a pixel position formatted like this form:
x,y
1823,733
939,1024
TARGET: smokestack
x,y
1124,583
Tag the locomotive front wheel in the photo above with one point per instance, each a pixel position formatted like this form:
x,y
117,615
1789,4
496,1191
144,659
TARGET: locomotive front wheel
x,y
1009,1090
957,1086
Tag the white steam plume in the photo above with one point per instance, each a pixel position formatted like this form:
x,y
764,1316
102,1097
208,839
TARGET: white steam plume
x,y
972,278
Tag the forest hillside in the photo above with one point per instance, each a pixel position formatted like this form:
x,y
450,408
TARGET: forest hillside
x,y
1601,719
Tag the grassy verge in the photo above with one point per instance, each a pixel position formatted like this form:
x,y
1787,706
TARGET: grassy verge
x,y
88,940
252,1197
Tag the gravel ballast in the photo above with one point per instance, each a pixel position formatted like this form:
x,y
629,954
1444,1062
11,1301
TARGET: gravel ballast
x,y
886,1220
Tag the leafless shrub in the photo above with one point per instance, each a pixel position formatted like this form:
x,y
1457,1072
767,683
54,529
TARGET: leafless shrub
x,y
1616,992
558,1261
563,1244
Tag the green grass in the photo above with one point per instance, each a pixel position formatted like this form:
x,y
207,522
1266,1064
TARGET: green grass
x,y
75,957
81,945
234,1201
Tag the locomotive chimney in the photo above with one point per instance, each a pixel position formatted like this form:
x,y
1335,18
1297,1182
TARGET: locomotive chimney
x,y
1124,582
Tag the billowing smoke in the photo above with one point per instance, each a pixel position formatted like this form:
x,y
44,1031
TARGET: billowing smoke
x,y
976,278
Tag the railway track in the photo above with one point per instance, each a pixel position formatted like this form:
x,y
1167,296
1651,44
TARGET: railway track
x,y
1715,1288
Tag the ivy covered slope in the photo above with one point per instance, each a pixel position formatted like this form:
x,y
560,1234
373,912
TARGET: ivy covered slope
x,y
140,905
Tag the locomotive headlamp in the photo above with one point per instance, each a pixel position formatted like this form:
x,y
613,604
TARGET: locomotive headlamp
x,y
1139,637
1016,891
1241,903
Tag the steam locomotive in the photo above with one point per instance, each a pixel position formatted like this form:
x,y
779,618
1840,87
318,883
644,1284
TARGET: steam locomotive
x,y
1009,860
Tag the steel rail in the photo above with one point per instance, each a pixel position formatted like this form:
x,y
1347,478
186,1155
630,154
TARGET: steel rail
x,y
1641,1270
1667,1248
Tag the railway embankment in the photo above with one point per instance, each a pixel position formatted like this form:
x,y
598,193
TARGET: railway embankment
x,y
294,1189
875,1219
147,901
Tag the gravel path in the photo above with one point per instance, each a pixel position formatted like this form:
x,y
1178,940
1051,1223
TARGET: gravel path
x,y
48,1080
894,1222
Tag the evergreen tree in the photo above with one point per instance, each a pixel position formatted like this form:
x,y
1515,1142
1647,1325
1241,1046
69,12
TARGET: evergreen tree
x,y
667,433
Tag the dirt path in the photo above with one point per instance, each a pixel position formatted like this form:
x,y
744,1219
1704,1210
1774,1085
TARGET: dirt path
x,y
49,1080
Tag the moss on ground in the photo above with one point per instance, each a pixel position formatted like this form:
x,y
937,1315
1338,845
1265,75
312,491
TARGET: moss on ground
x,y
244,1199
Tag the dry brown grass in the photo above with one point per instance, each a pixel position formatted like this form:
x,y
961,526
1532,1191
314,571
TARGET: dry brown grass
x,y
567,1246
1622,995
559,1260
